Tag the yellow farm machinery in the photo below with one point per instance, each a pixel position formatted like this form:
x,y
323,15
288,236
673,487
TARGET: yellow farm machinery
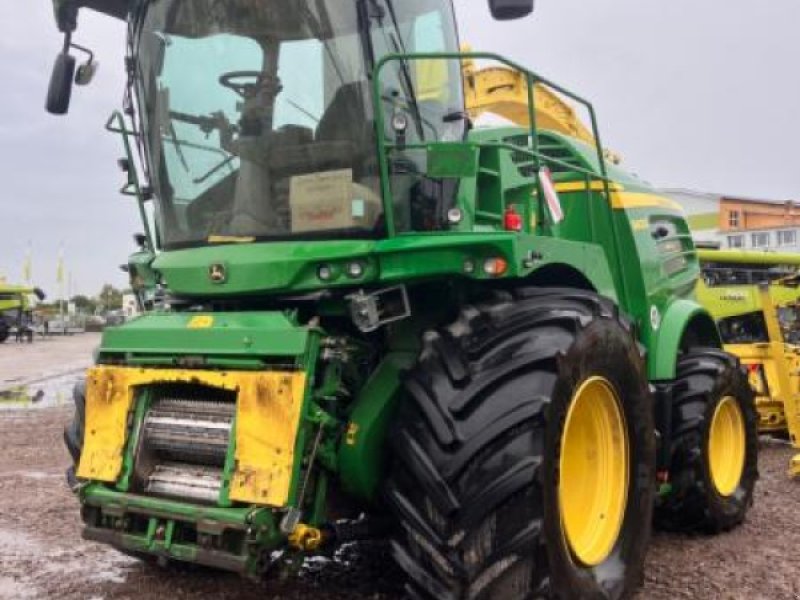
x,y
15,301
755,298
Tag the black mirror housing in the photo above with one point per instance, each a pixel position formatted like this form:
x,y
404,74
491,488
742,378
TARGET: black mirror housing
x,y
506,10
60,90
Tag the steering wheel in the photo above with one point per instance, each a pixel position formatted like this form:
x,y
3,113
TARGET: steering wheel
x,y
241,82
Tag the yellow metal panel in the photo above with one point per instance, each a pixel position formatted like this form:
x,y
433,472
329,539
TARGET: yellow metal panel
x,y
580,186
201,322
267,421
108,401
628,200
621,199
504,92
230,239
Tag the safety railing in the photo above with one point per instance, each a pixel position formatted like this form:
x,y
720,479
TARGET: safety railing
x,y
132,187
532,152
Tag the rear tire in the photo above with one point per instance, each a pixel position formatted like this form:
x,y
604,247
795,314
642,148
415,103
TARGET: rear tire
x,y
705,379
476,479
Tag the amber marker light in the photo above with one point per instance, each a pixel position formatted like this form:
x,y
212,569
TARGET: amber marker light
x,y
495,267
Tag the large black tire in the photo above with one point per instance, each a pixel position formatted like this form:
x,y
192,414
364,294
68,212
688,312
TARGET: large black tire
x,y
4,330
476,448
704,377
73,433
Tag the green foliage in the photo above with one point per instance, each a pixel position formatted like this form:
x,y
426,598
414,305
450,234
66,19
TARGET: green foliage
x,y
84,304
109,298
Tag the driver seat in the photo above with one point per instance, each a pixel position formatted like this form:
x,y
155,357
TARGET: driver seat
x,y
348,119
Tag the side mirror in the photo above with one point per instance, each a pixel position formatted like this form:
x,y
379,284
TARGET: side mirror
x,y
505,10
86,73
60,90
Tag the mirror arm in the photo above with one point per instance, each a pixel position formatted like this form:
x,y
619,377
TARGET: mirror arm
x,y
82,49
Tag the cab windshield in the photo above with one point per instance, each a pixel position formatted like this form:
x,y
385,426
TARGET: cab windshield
x,y
258,117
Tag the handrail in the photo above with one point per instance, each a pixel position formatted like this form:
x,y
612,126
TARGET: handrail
x,y
532,79
116,124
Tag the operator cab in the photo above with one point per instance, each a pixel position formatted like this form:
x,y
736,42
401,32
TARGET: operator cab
x,y
258,118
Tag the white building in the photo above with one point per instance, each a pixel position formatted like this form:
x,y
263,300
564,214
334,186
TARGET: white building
x,y
735,222
702,212
129,306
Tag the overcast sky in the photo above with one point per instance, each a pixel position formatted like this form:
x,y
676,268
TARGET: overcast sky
x,y
692,93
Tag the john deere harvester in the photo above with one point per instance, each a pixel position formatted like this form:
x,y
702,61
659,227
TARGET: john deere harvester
x,y
483,340
755,297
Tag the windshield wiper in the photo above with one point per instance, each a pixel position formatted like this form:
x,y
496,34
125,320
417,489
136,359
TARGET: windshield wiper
x,y
364,27
316,29
177,144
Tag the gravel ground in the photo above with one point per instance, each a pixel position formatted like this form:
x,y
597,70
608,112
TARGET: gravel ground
x,y
42,554
23,364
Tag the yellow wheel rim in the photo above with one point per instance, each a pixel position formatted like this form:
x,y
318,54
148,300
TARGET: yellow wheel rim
x,y
727,446
593,488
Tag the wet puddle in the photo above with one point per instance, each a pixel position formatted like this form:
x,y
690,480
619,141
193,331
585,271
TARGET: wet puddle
x,y
32,562
43,393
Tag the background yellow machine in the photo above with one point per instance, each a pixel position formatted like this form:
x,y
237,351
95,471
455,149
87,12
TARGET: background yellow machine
x,y
504,92
755,298
15,303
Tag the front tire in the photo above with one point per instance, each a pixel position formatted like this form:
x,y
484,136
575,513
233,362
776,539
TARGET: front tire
x,y
714,445
498,445
73,433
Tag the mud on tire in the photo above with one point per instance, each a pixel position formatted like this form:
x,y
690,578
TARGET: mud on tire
x,y
476,449
704,378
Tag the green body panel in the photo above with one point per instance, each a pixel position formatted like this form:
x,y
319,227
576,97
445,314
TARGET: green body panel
x,y
96,494
251,335
622,239
248,528
259,268
143,279
665,346
362,455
